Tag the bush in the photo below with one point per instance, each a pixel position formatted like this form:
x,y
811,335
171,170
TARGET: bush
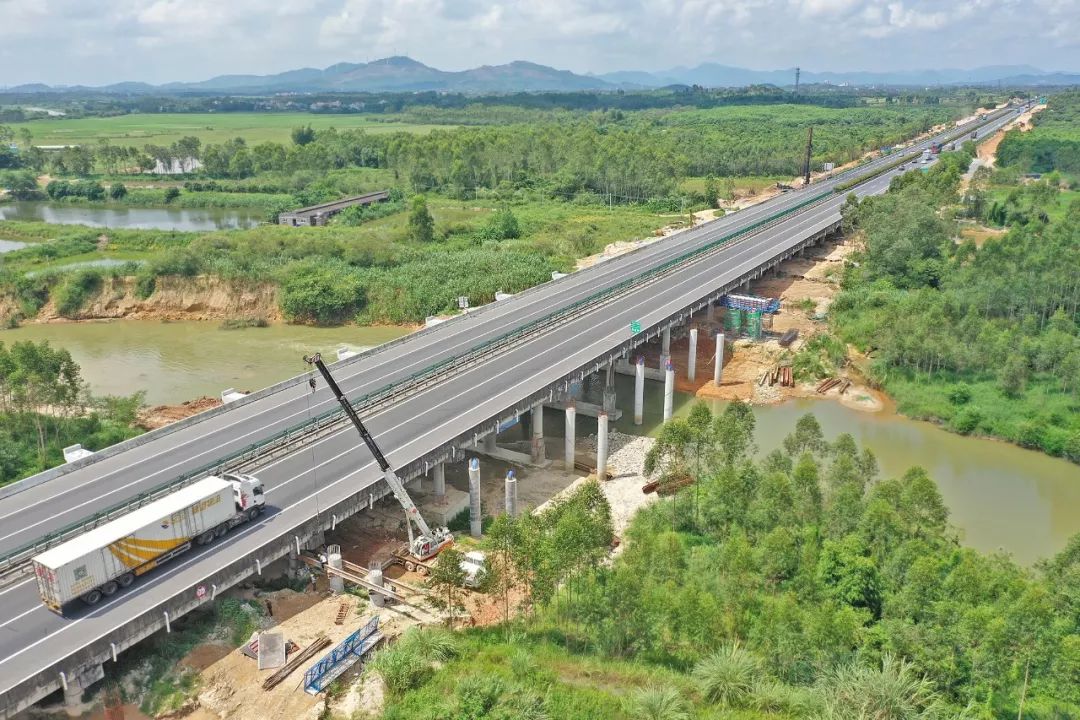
x,y
727,677
145,284
76,290
967,420
960,394
171,194
117,191
321,294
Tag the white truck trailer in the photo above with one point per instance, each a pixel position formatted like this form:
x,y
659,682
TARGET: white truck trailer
x,y
98,563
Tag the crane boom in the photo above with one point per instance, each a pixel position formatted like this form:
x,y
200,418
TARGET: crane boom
x,y
428,543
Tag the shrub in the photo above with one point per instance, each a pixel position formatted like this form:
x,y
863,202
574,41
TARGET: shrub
x,y
657,703
967,420
171,194
76,290
117,191
321,294
727,676
145,284
960,394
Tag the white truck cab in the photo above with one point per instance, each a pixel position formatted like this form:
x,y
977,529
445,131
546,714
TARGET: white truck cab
x,y
247,493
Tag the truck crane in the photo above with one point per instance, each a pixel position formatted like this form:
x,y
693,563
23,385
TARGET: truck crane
x,y
426,543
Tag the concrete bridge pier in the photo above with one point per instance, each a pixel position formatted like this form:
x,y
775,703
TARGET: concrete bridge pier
x,y
538,450
710,313
438,479
475,519
669,390
718,360
489,442
609,389
511,494
601,446
665,347
571,438
691,362
639,390
75,683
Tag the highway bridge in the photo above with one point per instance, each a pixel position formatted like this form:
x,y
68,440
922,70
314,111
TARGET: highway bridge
x,y
425,397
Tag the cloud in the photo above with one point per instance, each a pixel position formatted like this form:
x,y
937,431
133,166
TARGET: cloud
x,y
164,40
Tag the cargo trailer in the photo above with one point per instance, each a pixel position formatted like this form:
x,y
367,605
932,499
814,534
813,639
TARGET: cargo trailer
x,y
101,561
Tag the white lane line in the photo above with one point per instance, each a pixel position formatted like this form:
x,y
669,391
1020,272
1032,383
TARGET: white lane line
x,y
16,586
329,401
170,571
21,615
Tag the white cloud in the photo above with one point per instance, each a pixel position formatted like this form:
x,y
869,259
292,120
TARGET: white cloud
x,y
163,40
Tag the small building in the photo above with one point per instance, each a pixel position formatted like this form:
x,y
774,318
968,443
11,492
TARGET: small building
x,y
317,215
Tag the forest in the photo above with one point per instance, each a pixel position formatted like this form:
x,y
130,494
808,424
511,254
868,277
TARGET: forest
x,y
46,406
979,335
797,585
1055,142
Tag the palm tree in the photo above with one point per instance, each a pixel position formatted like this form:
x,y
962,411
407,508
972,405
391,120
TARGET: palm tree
x,y
657,703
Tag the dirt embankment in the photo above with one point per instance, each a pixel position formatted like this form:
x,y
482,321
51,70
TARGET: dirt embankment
x,y
161,415
805,287
174,298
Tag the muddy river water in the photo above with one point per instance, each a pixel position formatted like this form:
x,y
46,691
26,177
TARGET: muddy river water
x,y
1000,496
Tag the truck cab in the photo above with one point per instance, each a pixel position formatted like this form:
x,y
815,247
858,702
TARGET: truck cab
x,y
247,494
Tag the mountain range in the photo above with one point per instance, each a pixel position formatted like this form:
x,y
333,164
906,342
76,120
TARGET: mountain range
x,y
402,74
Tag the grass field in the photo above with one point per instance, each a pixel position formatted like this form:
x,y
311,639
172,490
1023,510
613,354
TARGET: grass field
x,y
166,128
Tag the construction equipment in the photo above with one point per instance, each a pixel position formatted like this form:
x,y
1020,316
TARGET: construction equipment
x,y
426,543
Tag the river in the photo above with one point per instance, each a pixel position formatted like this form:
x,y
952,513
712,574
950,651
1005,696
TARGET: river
x,y
132,217
1000,496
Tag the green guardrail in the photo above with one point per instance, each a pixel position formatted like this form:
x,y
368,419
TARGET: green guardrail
x,y
303,428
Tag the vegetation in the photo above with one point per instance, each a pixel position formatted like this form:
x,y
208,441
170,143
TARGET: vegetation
x,y
799,586
983,339
1053,145
45,406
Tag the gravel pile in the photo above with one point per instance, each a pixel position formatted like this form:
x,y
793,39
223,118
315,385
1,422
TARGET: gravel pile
x,y
626,456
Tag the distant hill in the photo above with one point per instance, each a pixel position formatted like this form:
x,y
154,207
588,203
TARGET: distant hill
x,y
714,75
402,74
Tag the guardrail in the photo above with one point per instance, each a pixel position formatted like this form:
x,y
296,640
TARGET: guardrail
x,y
305,431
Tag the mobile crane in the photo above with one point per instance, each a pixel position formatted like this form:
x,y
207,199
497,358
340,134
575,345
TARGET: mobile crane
x,y
427,543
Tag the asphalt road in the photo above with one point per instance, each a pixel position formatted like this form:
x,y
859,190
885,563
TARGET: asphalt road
x,y
335,467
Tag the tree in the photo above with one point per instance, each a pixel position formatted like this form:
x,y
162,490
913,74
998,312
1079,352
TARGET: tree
x,y
22,185
447,577
421,224
1013,375
118,191
807,437
303,135
734,432
712,191
171,194
502,541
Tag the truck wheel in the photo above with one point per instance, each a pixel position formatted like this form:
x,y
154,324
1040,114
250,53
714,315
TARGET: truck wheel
x,y
92,597
253,513
126,579
109,589
220,531
206,538
423,571
410,566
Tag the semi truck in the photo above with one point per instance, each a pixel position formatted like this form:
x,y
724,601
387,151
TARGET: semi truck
x,y
108,558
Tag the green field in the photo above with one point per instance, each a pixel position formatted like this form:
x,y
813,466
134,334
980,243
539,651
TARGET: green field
x,y
167,128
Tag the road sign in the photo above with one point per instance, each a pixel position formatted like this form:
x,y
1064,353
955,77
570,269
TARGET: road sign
x,y
200,592
635,327
463,302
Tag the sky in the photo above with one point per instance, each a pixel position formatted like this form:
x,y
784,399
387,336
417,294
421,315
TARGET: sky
x,y
97,42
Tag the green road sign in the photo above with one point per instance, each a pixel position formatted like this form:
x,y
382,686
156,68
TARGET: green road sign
x,y
635,326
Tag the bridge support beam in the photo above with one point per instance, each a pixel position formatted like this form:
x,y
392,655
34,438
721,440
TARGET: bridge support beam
x,y
609,389
538,452
639,390
601,446
475,519
669,390
665,347
571,437
718,360
691,361
511,494
438,478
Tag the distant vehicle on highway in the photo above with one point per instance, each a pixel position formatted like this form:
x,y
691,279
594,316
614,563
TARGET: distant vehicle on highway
x,y
101,561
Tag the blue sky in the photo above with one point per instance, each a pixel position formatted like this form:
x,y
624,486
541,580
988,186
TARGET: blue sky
x,y
103,41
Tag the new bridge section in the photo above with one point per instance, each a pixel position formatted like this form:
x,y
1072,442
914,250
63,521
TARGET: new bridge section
x,y
334,477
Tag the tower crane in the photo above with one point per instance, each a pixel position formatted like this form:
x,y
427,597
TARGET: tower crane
x,y
425,543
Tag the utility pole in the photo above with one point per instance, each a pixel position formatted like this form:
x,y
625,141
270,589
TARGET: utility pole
x,y
797,73
806,160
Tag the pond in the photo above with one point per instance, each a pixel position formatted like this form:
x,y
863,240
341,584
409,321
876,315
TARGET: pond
x,y
132,217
